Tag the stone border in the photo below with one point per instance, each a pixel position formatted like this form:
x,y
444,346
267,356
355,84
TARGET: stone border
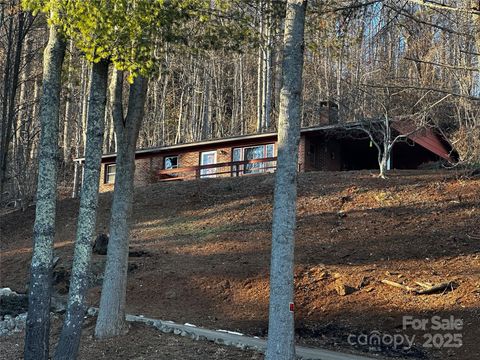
x,y
233,339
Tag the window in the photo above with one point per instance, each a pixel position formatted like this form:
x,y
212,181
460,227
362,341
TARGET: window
x,y
208,158
252,153
170,162
110,170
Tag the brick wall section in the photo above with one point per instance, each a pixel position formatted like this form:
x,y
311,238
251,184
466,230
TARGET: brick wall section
x,y
147,167
329,156
302,153
193,159
145,170
103,186
308,157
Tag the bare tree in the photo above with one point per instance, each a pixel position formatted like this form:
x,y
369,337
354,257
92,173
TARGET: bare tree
x,y
281,341
72,326
40,286
111,316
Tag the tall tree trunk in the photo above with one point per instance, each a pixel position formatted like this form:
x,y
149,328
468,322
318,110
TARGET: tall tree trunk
x,y
178,136
35,118
267,70
72,325
22,133
281,342
12,85
164,108
68,121
79,131
4,143
84,105
111,316
40,286
241,105
260,74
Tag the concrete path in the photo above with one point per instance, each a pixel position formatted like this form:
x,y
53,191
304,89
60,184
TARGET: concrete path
x,y
237,340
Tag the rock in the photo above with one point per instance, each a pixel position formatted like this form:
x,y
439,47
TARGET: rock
x,y
58,304
101,244
10,324
13,304
7,291
132,266
170,294
3,329
344,289
20,322
92,311
61,279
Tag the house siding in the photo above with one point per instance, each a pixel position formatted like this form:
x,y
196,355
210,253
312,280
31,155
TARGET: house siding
x,y
103,185
146,166
303,164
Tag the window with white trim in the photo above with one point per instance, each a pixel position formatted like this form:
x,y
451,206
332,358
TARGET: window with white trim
x,y
252,153
170,162
110,170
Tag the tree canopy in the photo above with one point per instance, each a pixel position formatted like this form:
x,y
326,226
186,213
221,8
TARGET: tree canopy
x,y
131,34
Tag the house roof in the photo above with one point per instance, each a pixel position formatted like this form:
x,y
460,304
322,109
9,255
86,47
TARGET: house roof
x,y
426,137
226,141
429,140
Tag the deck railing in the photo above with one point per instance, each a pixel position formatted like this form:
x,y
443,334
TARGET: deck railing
x,y
225,169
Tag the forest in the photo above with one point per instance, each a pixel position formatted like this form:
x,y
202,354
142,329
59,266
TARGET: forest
x,y
85,78
370,58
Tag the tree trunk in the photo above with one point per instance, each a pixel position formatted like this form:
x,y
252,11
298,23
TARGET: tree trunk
x,y
40,286
72,325
178,136
281,343
260,74
67,121
12,85
79,131
243,126
383,166
22,133
4,143
267,71
111,316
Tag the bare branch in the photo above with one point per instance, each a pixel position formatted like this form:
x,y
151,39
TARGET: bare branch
x,y
420,88
436,5
443,65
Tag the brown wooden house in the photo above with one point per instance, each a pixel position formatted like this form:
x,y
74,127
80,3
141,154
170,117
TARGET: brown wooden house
x,y
331,147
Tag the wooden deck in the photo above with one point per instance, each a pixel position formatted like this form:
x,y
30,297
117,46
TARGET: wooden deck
x,y
225,169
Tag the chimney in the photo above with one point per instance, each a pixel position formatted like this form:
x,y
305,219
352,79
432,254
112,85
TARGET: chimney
x,y
328,113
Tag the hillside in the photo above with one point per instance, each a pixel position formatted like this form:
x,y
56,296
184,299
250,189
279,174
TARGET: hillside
x,y
200,254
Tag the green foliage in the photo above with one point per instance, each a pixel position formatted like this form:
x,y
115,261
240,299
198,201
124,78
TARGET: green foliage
x,y
131,33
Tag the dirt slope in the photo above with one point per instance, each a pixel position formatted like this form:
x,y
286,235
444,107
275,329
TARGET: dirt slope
x,y
203,251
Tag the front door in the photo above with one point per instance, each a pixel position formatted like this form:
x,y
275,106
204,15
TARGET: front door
x,y
208,158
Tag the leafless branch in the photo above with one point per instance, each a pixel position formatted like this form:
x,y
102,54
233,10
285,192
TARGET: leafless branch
x,y
456,67
437,5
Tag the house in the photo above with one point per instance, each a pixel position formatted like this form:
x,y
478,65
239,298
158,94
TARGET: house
x,y
329,147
